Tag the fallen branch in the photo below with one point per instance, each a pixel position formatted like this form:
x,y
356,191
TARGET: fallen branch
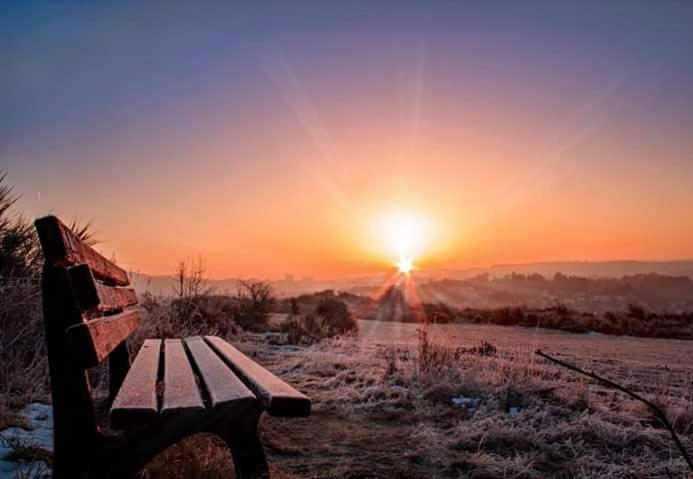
x,y
655,409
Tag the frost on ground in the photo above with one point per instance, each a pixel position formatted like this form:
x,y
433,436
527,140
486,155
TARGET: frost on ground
x,y
24,451
394,402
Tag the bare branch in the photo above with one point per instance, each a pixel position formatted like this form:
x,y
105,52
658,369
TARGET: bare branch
x,y
606,382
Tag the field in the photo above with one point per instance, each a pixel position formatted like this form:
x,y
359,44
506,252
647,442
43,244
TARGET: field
x,y
391,402
399,400
631,354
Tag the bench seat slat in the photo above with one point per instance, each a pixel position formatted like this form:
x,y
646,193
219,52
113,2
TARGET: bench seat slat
x,y
92,295
220,382
180,387
92,341
136,401
63,248
276,396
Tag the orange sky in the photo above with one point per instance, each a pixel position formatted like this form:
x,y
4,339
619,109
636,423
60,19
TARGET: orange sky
x,y
288,156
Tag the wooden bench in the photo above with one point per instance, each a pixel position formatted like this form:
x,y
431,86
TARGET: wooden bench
x,y
174,387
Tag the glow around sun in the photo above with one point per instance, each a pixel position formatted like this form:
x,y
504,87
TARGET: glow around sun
x,y
406,234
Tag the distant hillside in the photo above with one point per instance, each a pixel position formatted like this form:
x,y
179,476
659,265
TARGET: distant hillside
x,y
368,284
596,269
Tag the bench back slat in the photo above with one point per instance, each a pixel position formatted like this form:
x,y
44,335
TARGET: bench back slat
x,y
276,396
221,383
92,295
63,248
136,401
92,341
180,388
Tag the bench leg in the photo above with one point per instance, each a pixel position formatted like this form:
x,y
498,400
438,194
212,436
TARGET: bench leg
x,y
246,449
129,452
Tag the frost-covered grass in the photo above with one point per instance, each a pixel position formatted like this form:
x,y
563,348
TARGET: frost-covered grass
x,y
399,407
394,403
557,421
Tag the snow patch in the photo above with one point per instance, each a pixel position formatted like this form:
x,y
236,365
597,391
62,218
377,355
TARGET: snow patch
x,y
462,400
40,418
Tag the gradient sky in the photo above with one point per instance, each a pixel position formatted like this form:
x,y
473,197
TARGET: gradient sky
x,y
278,137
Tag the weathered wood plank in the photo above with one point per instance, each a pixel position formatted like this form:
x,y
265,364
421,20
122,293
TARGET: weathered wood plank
x,y
221,383
276,396
92,341
92,295
180,387
62,248
136,401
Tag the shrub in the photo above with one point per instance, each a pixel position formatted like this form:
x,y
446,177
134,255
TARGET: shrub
x,y
336,316
483,349
305,330
438,313
433,356
19,248
190,287
23,361
194,309
636,311
255,298
561,309
331,318
211,315
508,316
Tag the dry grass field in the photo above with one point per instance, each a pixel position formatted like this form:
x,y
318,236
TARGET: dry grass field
x,y
397,400
394,402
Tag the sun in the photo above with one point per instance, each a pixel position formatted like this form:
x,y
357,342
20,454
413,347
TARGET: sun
x,y
405,232
405,264
401,238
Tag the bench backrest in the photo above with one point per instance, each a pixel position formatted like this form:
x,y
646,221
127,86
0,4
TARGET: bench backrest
x,y
88,313
97,288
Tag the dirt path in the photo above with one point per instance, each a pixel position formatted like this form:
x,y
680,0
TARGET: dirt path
x,y
341,447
